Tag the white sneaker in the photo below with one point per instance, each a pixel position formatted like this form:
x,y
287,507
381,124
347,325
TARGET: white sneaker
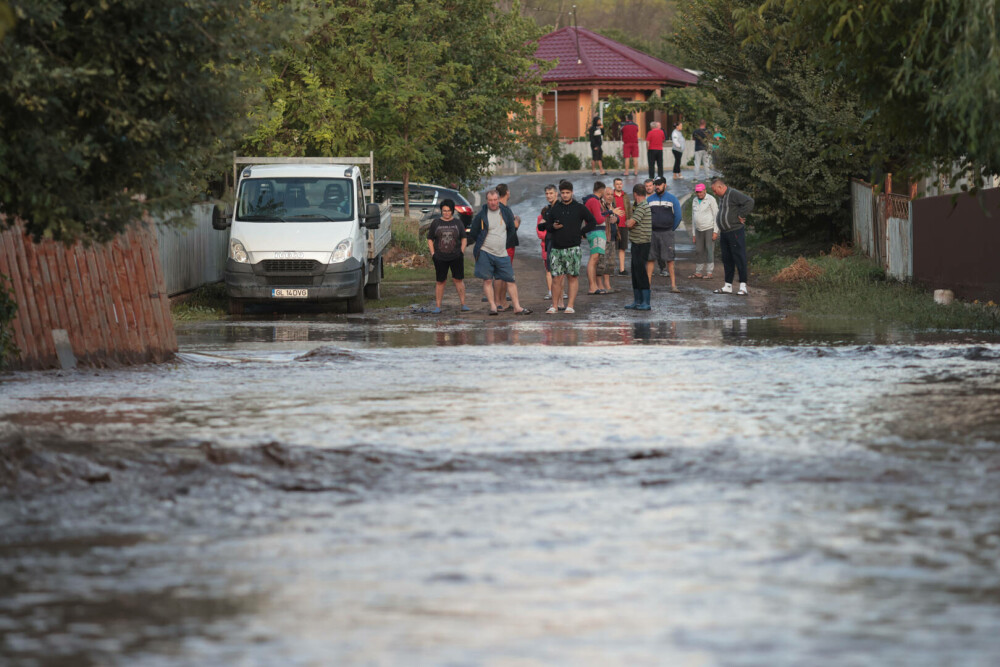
x,y
548,296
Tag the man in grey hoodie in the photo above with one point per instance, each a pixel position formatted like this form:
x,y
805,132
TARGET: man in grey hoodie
x,y
734,207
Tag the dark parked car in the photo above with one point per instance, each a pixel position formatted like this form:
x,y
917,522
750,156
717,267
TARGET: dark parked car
x,y
424,201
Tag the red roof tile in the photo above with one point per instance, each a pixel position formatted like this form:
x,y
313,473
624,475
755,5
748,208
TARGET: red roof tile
x,y
603,59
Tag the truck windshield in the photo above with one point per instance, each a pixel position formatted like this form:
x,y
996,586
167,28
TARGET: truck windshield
x,y
295,200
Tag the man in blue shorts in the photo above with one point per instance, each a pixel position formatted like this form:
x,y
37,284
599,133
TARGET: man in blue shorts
x,y
492,231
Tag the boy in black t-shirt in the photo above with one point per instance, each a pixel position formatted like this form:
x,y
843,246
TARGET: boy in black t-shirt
x,y
446,240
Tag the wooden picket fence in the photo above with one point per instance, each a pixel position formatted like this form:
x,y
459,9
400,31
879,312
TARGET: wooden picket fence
x,y
110,298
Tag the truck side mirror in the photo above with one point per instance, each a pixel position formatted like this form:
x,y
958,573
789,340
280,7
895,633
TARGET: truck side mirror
x,y
221,217
373,215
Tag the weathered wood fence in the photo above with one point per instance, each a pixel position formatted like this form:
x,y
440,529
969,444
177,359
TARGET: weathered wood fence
x,y
109,298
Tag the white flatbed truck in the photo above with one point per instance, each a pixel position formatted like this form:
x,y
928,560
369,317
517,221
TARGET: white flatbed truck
x,y
304,230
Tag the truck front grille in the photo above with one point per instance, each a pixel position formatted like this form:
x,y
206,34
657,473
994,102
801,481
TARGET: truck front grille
x,y
289,265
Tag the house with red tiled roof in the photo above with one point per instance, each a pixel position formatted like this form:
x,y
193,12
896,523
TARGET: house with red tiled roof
x,y
592,67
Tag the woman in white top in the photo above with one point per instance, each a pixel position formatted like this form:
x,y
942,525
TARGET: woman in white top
x,y
704,231
677,139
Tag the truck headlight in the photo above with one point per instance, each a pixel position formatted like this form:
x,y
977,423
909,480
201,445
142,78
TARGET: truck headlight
x,y
342,252
237,252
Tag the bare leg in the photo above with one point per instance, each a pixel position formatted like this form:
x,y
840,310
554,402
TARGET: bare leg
x,y
557,291
649,272
606,279
592,273
513,297
621,259
438,293
460,288
574,287
673,279
488,290
548,281
500,290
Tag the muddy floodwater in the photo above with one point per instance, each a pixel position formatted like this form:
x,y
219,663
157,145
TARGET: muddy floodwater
x,y
352,492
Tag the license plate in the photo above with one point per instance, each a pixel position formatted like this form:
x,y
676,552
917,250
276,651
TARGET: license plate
x,y
289,293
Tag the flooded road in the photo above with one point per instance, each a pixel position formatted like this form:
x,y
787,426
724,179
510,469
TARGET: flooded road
x,y
691,492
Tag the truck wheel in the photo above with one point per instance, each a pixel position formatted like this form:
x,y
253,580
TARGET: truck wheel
x,y
356,304
236,306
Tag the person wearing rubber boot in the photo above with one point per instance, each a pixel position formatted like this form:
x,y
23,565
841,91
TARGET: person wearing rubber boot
x,y
734,207
640,233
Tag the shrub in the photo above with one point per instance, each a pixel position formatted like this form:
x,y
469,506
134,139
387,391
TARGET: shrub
x,y
569,162
611,162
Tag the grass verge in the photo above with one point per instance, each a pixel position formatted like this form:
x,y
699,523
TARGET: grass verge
x,y
857,288
208,302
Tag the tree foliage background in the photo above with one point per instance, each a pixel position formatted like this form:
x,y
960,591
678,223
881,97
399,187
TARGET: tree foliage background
x,y
793,137
112,109
925,71
434,88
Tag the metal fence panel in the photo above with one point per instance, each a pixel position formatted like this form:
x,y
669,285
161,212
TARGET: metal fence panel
x,y
900,248
192,256
863,214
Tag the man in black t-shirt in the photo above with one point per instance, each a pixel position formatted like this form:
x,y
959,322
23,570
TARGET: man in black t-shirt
x,y
446,240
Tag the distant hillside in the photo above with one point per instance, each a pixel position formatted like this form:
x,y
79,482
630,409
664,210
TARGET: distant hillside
x,y
641,24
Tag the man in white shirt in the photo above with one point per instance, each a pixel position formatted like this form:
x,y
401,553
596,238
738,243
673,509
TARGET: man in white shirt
x,y
704,231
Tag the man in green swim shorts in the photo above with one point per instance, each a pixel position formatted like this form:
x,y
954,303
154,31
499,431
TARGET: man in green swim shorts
x,y
565,222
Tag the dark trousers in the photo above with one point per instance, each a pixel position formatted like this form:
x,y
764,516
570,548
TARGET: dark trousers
x,y
655,159
734,253
677,161
640,255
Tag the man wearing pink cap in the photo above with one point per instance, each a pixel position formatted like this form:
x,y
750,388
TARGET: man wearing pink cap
x,y
704,231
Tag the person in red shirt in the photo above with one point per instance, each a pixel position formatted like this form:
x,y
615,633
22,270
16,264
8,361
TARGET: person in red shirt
x,y
654,149
630,139
597,239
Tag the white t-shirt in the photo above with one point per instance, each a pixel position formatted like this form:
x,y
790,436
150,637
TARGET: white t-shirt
x,y
496,238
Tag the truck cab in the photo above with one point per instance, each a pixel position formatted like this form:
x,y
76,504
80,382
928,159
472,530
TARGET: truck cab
x,y
304,232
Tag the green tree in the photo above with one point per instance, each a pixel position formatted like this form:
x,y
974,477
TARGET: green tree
x,y
110,110
794,136
435,88
926,71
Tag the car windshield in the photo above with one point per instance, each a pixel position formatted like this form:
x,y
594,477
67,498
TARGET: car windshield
x,y
295,200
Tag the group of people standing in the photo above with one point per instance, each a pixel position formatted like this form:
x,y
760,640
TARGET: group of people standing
x,y
655,139
607,222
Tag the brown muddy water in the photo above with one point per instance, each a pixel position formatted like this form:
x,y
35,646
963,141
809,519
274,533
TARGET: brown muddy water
x,y
742,492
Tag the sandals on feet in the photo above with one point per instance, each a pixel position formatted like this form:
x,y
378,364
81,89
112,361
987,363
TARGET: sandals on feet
x,y
696,275
722,290
523,311
707,276
551,311
492,312
570,311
